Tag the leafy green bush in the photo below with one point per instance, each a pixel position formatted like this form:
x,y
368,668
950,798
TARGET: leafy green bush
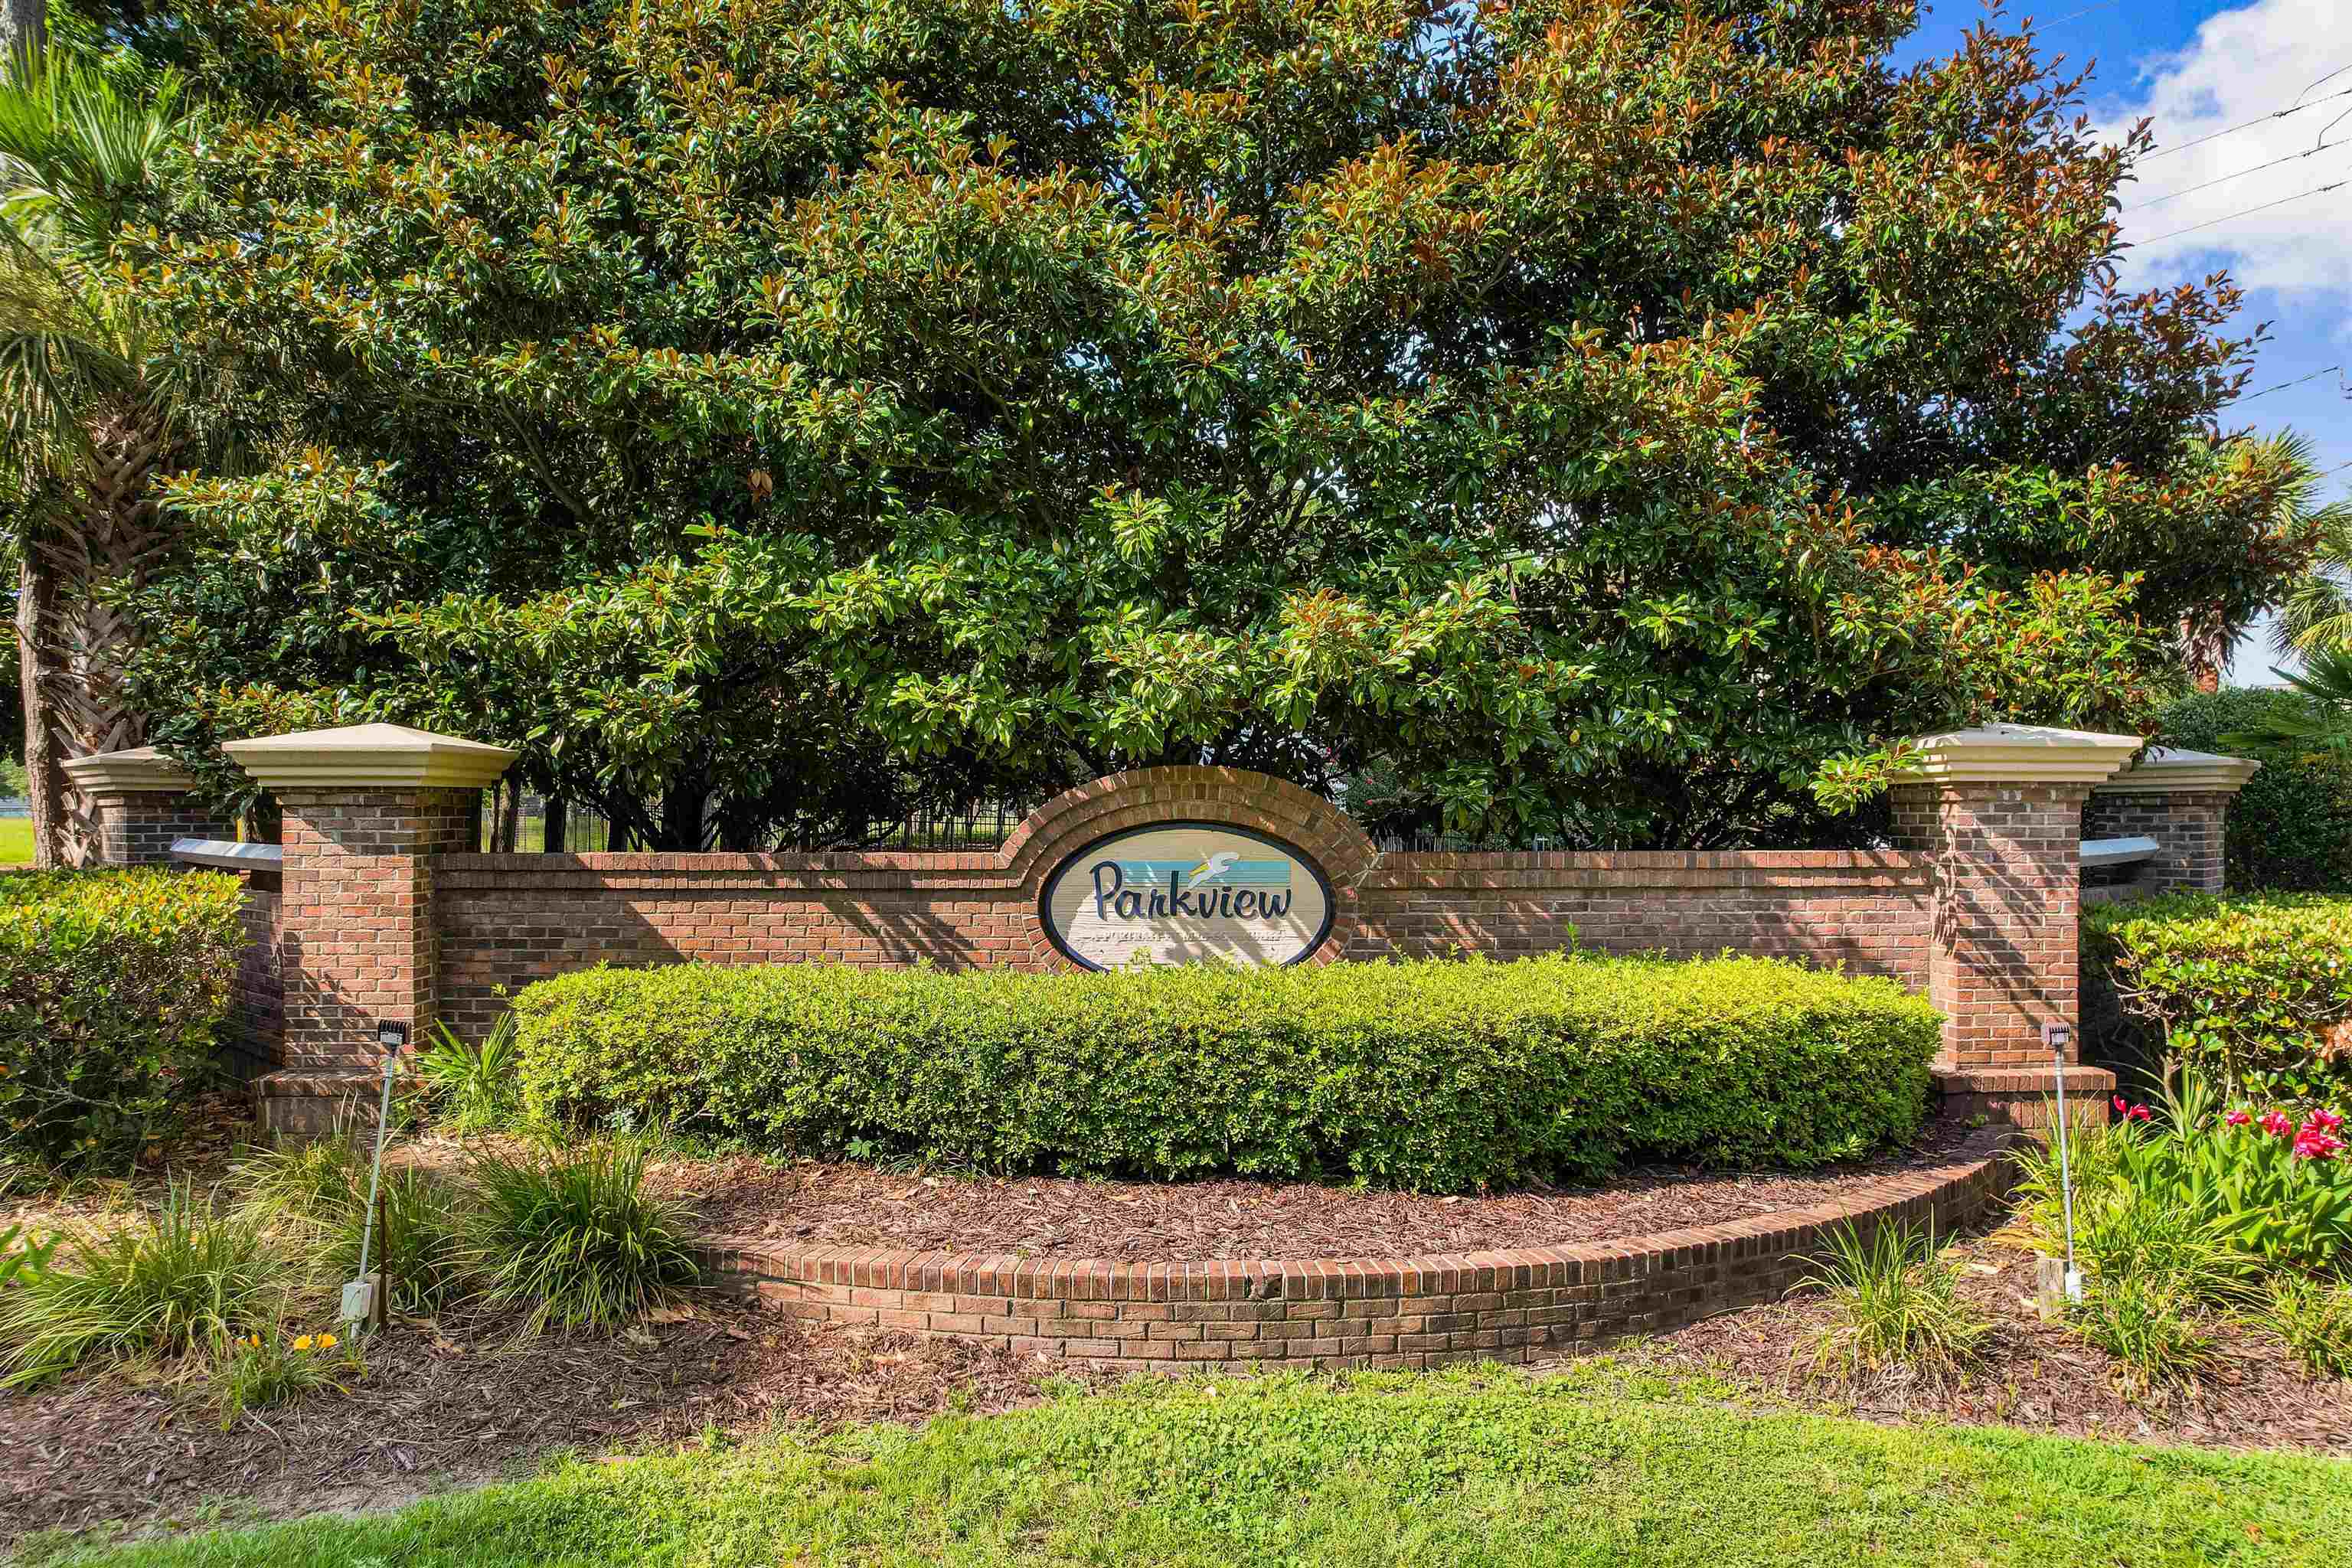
x,y
171,1281
111,984
2204,1199
22,1254
2291,827
1435,1076
1899,1306
2256,992
571,1234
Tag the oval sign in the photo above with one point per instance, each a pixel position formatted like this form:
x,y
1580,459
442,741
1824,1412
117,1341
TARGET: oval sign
x,y
1183,892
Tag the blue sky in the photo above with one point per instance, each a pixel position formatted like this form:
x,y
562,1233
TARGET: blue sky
x,y
2198,68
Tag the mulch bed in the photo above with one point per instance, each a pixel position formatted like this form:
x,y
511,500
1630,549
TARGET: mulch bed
x,y
844,1205
2043,1377
457,1401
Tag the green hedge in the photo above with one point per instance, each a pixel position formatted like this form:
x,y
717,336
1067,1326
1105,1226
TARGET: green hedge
x,y
111,984
2291,827
1439,1076
2257,990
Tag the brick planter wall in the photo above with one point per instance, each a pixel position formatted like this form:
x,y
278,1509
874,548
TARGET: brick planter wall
x,y
1511,1306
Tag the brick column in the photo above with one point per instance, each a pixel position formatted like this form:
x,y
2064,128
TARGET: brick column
x,y
2180,799
365,811
139,802
2000,808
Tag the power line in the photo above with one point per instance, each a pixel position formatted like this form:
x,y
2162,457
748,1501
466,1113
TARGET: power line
x,y
2225,179
2258,120
2245,212
2283,385
2085,11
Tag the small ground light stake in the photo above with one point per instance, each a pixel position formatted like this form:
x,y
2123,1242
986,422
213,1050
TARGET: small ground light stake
x,y
2057,1035
362,1297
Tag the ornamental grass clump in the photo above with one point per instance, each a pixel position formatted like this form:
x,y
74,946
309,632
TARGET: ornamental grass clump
x,y
316,1192
2314,1316
166,1282
2154,1336
571,1235
1899,1307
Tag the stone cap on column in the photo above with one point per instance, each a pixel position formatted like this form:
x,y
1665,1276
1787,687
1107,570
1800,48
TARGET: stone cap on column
x,y
2022,754
2168,770
142,769
370,756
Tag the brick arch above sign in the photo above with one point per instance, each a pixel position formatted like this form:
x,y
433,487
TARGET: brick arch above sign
x,y
1227,797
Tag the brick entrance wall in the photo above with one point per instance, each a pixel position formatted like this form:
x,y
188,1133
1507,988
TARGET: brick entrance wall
x,y
385,911
503,920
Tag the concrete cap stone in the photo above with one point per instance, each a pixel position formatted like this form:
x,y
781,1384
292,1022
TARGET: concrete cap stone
x,y
370,756
141,768
2022,753
2168,770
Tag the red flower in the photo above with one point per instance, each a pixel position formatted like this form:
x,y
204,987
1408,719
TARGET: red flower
x,y
2276,1124
2316,1144
2121,1109
2327,1119
2239,1118
2141,1113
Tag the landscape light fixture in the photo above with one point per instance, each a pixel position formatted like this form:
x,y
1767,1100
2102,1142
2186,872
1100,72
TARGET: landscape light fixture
x,y
363,1300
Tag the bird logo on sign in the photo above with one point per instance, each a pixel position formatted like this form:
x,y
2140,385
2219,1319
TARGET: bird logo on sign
x,y
1211,866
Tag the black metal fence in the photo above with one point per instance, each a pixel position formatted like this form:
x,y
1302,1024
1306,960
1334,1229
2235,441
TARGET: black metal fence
x,y
588,832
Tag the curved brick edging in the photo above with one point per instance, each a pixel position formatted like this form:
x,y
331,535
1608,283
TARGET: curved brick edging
x,y
1511,1306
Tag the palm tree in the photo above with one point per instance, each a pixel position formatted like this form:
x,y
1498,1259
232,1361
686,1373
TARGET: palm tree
x,y
2317,611
2327,726
86,418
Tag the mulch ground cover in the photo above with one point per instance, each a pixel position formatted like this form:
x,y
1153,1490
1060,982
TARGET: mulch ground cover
x,y
836,1203
2039,1375
462,1399
454,1400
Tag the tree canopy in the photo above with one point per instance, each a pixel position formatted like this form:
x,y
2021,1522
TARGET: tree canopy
x,y
1586,417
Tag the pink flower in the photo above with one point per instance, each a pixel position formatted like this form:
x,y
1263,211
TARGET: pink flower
x,y
2316,1144
2139,1113
2239,1118
2327,1119
2276,1124
2122,1109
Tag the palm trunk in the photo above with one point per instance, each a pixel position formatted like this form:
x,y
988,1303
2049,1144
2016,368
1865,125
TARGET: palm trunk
x,y
116,538
37,589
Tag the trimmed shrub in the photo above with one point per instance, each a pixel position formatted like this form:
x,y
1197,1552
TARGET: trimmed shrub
x,y
2291,827
111,984
1435,1076
2255,992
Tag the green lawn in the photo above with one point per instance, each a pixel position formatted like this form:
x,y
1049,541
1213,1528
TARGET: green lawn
x,y
15,840
1599,1467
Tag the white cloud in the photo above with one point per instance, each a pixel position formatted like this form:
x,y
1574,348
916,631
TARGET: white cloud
x,y
2243,65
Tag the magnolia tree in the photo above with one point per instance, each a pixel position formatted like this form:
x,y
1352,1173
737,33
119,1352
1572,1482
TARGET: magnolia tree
x,y
1584,418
